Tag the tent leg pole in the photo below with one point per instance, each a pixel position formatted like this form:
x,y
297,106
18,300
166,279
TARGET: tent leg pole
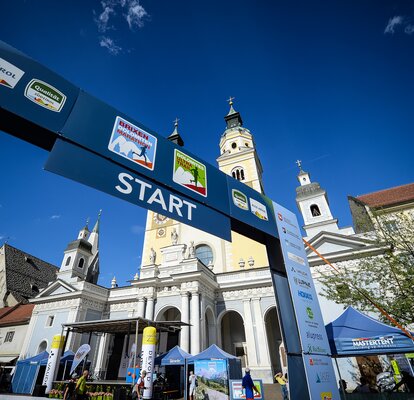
x,y
340,378
135,353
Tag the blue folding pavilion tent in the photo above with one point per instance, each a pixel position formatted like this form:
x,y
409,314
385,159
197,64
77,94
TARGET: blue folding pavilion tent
x,y
355,334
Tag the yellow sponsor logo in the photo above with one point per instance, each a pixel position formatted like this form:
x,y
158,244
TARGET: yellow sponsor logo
x,y
57,342
149,335
326,396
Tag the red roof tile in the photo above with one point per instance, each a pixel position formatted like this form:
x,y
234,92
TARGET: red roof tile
x,y
389,197
17,314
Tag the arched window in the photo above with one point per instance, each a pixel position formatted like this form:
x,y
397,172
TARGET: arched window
x,y
81,262
42,347
68,261
238,173
315,210
204,254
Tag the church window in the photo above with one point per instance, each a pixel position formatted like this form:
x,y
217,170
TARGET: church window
x,y
35,289
9,337
68,261
42,347
238,173
81,262
205,254
50,320
233,145
315,210
246,144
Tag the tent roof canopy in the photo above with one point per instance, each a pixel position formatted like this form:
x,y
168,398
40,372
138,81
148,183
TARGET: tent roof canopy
x,y
176,356
213,352
356,334
125,325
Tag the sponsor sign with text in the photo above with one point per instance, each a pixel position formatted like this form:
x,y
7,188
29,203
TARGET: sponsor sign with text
x,y
9,74
313,337
45,95
190,173
131,142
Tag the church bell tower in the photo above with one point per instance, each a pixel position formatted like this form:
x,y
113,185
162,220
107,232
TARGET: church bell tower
x,y
238,156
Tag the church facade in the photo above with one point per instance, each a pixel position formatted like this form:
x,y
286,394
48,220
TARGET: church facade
x,y
223,290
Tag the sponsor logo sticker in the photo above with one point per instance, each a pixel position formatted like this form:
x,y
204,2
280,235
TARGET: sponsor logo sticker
x,y
373,342
10,75
45,95
296,259
305,295
326,396
258,209
309,312
190,173
135,144
240,199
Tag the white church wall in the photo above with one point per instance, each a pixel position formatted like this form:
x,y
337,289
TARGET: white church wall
x,y
164,303
44,331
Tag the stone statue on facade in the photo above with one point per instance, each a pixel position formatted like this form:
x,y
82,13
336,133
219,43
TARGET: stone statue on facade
x,y
191,250
174,236
153,256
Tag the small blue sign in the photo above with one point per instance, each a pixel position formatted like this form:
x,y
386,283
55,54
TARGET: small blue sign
x,y
251,207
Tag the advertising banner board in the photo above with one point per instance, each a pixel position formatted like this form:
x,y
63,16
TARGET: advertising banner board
x,y
35,93
85,167
79,356
212,379
237,392
313,336
53,361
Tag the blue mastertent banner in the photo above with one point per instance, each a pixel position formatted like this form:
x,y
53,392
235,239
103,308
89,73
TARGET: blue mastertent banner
x,y
356,334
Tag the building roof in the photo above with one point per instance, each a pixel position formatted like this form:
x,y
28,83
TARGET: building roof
x,y
19,314
123,325
26,275
389,197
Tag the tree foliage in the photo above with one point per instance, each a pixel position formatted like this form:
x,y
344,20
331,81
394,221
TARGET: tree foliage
x,y
386,278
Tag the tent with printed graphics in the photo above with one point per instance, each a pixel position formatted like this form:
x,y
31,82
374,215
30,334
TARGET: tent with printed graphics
x,y
355,334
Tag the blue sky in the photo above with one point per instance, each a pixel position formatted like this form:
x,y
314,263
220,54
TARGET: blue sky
x,y
330,83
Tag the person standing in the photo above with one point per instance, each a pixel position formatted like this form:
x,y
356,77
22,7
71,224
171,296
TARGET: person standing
x,y
283,385
69,393
139,387
248,385
192,380
80,388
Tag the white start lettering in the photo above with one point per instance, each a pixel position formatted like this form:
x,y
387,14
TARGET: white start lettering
x,y
145,192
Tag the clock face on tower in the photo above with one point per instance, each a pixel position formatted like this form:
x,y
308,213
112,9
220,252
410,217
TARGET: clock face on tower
x,y
160,219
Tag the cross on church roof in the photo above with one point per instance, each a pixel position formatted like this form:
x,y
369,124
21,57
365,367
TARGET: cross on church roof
x,y
230,100
299,163
176,121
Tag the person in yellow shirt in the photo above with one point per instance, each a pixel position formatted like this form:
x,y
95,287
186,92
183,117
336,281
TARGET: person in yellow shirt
x,y
282,382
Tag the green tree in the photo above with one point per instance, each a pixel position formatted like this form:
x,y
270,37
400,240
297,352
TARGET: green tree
x,y
386,276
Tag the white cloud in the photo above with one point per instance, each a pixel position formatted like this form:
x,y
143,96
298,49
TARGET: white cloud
x,y
135,14
103,18
392,23
110,45
55,216
409,29
110,18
